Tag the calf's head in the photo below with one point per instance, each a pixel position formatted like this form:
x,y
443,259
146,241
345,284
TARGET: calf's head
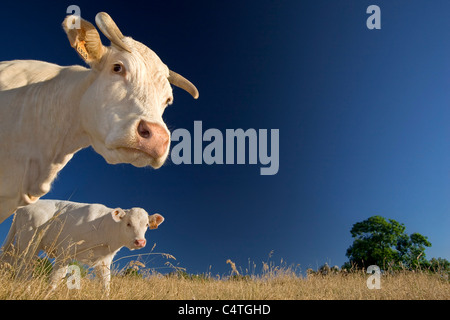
x,y
122,108
133,224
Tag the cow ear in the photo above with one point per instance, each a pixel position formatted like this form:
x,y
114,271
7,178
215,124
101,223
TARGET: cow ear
x,y
118,214
155,220
84,38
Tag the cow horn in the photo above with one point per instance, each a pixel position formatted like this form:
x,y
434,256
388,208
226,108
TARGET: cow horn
x,y
109,28
183,83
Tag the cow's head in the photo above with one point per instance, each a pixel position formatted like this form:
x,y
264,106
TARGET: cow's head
x,y
122,108
133,225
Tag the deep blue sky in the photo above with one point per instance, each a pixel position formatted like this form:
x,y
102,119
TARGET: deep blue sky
x,y
363,117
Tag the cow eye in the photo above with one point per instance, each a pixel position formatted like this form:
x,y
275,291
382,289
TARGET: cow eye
x,y
128,224
118,68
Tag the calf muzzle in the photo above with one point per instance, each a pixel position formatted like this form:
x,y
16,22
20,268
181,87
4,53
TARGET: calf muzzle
x,y
140,243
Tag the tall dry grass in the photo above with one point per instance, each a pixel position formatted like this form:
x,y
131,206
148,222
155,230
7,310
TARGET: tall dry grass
x,y
273,282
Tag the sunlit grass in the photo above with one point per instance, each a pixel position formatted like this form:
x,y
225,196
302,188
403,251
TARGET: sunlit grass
x,y
267,280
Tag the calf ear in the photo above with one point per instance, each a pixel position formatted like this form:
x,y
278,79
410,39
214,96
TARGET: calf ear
x,y
155,220
118,214
84,39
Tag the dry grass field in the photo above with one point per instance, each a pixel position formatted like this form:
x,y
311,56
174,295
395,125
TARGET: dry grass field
x,y
272,283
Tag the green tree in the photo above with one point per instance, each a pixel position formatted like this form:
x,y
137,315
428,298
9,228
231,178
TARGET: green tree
x,y
384,243
411,250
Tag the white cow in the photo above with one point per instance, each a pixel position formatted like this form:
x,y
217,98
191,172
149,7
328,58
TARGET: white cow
x,y
49,112
89,233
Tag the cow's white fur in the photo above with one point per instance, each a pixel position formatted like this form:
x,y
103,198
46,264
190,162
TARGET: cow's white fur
x,y
49,112
89,233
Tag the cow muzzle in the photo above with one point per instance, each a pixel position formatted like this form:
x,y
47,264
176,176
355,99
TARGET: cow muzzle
x,y
153,139
139,243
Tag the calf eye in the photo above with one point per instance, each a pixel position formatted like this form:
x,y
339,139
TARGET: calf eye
x,y
128,224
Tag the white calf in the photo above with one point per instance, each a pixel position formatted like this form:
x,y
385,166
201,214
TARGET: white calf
x,y
89,233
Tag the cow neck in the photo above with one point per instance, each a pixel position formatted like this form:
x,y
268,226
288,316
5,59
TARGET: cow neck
x,y
61,132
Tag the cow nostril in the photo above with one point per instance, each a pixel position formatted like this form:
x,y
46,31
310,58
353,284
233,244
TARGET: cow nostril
x,y
143,130
144,134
